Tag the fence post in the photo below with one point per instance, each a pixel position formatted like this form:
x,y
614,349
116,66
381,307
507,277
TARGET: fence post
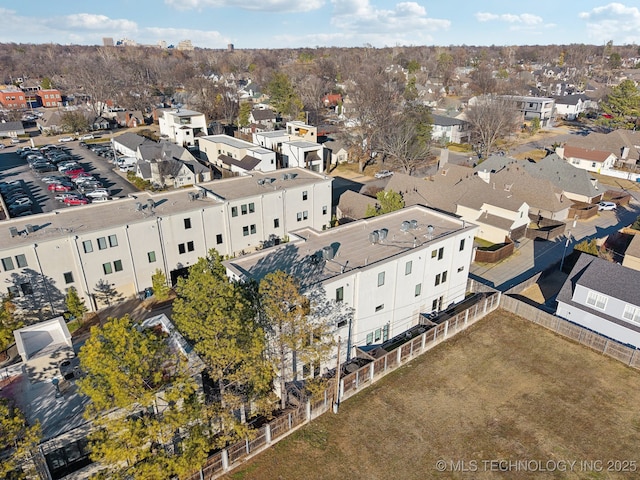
x,y
398,354
446,328
499,297
633,356
225,459
307,411
267,433
357,379
290,422
466,316
485,305
424,341
385,362
341,391
248,448
371,371
606,344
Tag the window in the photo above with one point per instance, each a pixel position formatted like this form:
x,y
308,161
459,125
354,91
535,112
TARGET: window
x,y
88,246
253,229
379,307
385,333
218,239
460,269
437,279
190,247
21,261
106,268
243,209
305,215
324,209
631,313
276,223
299,216
407,267
593,164
117,265
187,223
596,300
441,253
26,288
245,231
462,244
369,338
113,240
102,243
444,276
151,256
68,277
234,211
341,323
252,208
13,291
305,195
378,335
418,290
381,279
181,248
7,264
339,294
434,253
434,305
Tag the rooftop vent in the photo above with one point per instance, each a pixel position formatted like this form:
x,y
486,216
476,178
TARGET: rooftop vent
x,y
285,176
374,237
429,230
327,252
151,204
293,175
13,231
260,181
382,234
30,228
193,196
413,224
138,206
269,180
405,226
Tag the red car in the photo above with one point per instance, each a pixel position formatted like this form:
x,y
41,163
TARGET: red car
x,y
59,187
73,171
76,201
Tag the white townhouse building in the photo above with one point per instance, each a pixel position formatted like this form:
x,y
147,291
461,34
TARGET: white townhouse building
x,y
237,155
121,243
182,126
389,269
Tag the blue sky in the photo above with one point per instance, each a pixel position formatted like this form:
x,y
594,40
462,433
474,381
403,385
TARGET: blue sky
x,y
310,23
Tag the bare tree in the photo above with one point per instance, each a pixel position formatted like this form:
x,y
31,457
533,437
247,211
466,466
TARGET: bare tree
x,y
492,118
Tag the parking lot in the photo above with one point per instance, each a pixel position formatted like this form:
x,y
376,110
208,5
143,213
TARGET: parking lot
x,y
27,181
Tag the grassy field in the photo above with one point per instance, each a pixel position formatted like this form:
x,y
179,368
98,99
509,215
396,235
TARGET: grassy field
x,y
505,389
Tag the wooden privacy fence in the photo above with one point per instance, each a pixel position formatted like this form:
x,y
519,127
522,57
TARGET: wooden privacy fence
x,y
223,461
611,348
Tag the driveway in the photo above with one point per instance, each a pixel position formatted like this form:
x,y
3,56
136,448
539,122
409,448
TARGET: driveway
x,y
533,256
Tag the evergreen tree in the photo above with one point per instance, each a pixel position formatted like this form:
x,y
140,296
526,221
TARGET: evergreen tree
x,y
622,105
17,437
8,323
160,287
283,96
388,201
75,305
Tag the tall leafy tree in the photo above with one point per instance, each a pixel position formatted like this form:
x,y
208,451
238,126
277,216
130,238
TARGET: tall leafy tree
x,y
388,201
158,424
293,336
407,138
8,323
75,305
159,283
283,96
215,314
17,437
622,105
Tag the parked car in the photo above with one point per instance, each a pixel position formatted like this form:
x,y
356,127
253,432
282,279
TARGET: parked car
x,y
607,206
76,201
15,141
66,139
87,136
383,174
97,193
72,171
100,199
45,168
62,196
59,187
22,201
53,179
18,210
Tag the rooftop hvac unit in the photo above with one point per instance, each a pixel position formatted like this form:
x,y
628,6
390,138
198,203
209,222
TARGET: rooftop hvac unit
x,y
285,176
405,226
192,196
260,181
150,204
30,228
414,224
327,252
430,230
138,206
269,180
13,231
382,234
374,237
293,175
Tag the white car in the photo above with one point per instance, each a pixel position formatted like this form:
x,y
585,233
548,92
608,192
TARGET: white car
x,y
97,193
15,141
607,206
66,139
383,174
88,136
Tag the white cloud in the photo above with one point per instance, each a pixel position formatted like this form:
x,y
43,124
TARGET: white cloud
x,y
90,21
407,23
523,18
614,21
263,5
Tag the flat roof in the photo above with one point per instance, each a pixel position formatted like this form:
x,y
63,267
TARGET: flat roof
x,y
303,144
96,217
261,150
227,140
183,112
350,244
273,134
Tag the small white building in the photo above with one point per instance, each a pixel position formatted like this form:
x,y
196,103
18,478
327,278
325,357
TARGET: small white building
x,y
303,154
587,159
181,126
236,155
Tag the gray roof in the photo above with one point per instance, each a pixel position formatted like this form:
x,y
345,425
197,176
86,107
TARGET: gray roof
x,y
612,142
274,134
162,150
262,115
633,249
131,140
246,163
446,121
604,277
195,166
571,99
145,169
11,126
564,175
227,140
354,205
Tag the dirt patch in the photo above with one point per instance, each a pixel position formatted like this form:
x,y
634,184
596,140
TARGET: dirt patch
x,y
506,389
